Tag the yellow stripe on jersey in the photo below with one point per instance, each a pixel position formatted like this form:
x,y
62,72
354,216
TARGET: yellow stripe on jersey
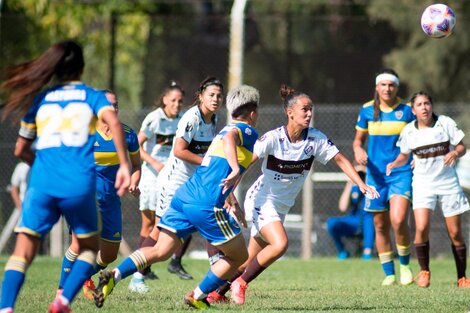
x,y
385,128
224,225
28,125
243,154
103,135
106,158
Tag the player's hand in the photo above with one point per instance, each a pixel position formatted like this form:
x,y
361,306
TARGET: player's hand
x,y
390,167
370,192
360,155
157,166
230,180
236,211
450,158
134,190
123,179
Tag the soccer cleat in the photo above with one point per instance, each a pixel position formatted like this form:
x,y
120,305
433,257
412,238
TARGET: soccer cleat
x,y
138,285
201,304
389,280
105,287
406,276
175,267
342,255
6,310
58,307
366,256
89,289
463,282
215,297
238,288
423,279
150,275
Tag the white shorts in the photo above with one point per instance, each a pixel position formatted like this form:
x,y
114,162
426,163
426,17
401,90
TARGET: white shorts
x,y
166,190
148,191
451,205
261,216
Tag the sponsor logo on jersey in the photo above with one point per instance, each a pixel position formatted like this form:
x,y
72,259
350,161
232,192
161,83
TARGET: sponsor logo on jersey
x,y
97,144
308,150
288,167
262,138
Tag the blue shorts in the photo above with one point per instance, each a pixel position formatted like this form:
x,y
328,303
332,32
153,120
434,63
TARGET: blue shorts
x,y
397,184
111,216
214,224
41,211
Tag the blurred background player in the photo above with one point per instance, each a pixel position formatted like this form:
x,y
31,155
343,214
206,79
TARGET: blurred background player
x,y
356,223
63,179
380,122
155,139
436,144
194,133
109,203
200,205
19,183
288,153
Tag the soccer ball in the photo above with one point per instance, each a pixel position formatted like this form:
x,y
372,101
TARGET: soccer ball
x,y
438,20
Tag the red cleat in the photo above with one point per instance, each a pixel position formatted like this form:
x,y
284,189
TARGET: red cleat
x,y
58,307
238,288
215,297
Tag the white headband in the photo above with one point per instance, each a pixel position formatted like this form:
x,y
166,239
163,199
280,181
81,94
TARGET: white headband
x,y
387,76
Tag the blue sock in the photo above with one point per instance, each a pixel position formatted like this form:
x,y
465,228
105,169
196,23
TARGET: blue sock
x,y
11,285
210,282
404,253
67,264
82,269
388,268
127,267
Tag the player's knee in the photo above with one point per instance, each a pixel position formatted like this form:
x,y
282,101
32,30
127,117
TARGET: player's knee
x,y
280,247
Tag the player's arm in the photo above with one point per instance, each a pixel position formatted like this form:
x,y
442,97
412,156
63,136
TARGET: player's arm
x,y
24,151
345,198
147,157
360,155
181,151
401,160
123,174
230,142
135,174
451,157
346,166
15,196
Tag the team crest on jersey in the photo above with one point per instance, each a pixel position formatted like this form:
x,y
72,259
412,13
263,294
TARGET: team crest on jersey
x,y
189,127
399,114
262,138
330,143
308,150
248,131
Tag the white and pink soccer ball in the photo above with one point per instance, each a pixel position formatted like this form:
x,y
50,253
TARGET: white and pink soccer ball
x,y
438,20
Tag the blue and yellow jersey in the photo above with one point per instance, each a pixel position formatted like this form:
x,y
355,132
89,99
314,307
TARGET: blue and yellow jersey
x,y
384,134
204,186
106,158
62,119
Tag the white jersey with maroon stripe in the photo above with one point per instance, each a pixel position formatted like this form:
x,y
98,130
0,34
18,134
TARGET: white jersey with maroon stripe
x,y
429,147
286,165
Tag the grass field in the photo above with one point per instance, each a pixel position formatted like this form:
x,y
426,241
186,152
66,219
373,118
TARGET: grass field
x,y
319,285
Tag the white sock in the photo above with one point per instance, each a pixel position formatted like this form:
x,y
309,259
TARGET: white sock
x,y
198,294
138,275
117,275
64,300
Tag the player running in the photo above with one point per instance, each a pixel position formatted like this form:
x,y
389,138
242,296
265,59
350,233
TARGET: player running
x,y
288,153
200,205
436,144
61,120
379,123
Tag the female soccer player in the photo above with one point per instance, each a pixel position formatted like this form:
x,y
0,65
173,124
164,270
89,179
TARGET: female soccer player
x,y
155,140
199,205
63,180
436,144
288,153
195,131
357,221
380,123
109,203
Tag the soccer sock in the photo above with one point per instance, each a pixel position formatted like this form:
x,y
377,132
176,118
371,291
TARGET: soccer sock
x,y
67,264
147,242
386,259
141,240
13,279
213,253
252,271
135,262
460,257
222,290
181,251
404,253
100,265
209,283
82,270
422,253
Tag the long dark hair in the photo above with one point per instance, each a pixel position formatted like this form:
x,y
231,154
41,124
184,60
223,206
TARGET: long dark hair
x,y
172,86
24,81
376,95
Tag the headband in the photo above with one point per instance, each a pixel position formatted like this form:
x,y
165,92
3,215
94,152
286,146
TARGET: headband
x,y
387,76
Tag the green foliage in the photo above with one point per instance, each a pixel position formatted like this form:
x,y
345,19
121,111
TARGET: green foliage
x,y
289,285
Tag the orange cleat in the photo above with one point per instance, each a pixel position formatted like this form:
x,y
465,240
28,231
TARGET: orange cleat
x,y
423,279
215,297
238,288
463,282
89,289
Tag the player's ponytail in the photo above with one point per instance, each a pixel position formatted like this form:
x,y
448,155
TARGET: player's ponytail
x,y
24,81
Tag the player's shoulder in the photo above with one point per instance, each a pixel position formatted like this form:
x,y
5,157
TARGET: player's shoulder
x,y
368,104
315,133
445,120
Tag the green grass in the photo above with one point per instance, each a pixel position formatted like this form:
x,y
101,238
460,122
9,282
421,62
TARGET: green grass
x,y
318,285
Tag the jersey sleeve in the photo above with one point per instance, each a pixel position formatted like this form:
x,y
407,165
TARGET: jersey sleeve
x,y
149,125
455,133
101,104
187,126
362,122
264,145
326,149
16,176
403,141
28,127
132,142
